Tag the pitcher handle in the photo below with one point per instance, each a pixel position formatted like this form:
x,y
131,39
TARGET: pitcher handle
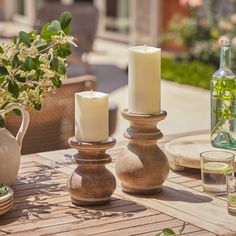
x,y
24,122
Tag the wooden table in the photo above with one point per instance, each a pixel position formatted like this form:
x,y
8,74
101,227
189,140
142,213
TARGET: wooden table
x,y
42,205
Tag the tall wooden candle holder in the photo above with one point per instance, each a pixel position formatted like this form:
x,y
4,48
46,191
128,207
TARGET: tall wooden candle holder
x,y
143,167
91,183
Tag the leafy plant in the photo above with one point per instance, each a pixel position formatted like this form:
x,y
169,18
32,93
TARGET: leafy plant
x,y
201,32
170,232
34,64
3,190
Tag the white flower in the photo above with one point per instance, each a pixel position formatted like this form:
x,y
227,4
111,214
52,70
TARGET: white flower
x,y
60,39
27,52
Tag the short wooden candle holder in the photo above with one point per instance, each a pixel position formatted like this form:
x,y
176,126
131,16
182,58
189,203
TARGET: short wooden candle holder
x,y
143,167
91,183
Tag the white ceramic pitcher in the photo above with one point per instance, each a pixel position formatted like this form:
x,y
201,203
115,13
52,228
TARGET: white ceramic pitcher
x,y
10,146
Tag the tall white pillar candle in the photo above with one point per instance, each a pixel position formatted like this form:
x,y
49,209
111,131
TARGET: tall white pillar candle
x,y
144,80
91,116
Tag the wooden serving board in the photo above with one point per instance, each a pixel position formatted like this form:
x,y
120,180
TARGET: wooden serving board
x,y
185,152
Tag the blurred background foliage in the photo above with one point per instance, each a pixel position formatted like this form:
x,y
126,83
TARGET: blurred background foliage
x,y
200,33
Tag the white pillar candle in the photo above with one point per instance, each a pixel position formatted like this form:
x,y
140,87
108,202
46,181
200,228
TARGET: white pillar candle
x,y
91,116
144,80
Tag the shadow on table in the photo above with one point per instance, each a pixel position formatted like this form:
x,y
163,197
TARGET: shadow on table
x,y
32,190
40,194
190,172
173,194
116,208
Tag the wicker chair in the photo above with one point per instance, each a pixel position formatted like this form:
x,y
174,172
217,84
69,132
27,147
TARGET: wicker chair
x,y
50,128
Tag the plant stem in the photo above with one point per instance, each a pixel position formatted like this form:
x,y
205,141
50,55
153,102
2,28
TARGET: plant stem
x,y
217,125
17,69
7,80
49,47
223,117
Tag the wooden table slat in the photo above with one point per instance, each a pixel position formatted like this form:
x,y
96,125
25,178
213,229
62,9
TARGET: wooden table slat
x,y
132,227
42,205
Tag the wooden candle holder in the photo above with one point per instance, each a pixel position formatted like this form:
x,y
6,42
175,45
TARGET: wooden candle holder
x,y
142,167
91,183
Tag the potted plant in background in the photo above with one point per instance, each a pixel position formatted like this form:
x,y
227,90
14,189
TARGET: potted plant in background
x,y
32,65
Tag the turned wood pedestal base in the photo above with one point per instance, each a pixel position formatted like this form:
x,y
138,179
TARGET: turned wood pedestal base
x,y
91,183
142,167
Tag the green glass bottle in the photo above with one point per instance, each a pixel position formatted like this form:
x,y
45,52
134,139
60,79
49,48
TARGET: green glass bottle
x,y
223,102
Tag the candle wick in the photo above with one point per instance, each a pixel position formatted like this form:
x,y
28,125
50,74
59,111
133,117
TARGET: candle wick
x,y
91,93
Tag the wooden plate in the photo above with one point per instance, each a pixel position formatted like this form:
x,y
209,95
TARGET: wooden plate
x,y
185,152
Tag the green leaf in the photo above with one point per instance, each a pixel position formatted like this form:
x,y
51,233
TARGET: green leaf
x,y
5,62
56,81
24,37
13,88
14,40
20,79
37,106
39,72
1,50
2,79
24,87
63,50
17,112
40,45
16,62
46,34
29,64
166,232
65,20
32,35
3,71
2,122
58,66
3,189
54,26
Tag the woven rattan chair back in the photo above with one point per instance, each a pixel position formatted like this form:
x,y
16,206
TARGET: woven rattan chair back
x,y
50,128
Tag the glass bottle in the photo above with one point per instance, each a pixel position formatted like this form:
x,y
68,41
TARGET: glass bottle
x,y
223,102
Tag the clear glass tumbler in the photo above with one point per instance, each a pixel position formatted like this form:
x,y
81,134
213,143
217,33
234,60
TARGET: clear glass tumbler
x,y
215,166
231,194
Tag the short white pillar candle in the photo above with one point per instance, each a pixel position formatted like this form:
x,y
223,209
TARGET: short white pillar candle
x,y
144,80
91,116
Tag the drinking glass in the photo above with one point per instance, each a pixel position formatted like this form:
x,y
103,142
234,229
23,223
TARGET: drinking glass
x,y
215,166
231,194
